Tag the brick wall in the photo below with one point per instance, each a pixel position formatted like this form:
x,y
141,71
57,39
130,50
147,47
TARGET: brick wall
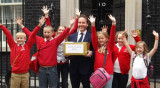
x,y
148,25
32,12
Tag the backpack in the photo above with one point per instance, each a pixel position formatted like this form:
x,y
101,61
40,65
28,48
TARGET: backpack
x,y
100,77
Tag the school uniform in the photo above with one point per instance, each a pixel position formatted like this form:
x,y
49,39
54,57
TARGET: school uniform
x,y
121,60
21,53
47,58
139,71
99,57
63,62
63,66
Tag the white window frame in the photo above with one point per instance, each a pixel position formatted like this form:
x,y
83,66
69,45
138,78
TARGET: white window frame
x,y
3,22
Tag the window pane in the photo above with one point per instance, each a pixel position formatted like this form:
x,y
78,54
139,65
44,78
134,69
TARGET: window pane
x,y
18,11
8,13
17,0
6,1
0,15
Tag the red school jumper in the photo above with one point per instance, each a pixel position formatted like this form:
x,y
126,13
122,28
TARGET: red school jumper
x,y
47,55
124,57
73,30
99,58
21,64
141,83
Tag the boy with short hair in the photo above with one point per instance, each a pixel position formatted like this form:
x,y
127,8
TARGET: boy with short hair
x,y
47,54
20,55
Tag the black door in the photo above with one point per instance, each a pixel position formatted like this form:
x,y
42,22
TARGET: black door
x,y
102,8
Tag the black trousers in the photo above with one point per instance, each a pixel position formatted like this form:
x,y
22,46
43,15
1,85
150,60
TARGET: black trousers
x,y
119,80
77,78
63,71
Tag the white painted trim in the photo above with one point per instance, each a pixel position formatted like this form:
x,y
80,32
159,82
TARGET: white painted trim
x,y
8,4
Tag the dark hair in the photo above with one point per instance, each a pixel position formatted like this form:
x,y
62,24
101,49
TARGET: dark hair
x,y
84,16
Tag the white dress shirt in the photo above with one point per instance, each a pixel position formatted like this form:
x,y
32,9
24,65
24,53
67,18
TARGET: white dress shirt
x,y
116,64
79,35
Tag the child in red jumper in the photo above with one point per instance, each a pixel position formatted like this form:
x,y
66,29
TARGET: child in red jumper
x,y
141,60
20,55
63,62
100,43
121,60
47,56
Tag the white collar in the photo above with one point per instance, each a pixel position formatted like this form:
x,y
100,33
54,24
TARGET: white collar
x,y
21,45
47,40
79,32
119,47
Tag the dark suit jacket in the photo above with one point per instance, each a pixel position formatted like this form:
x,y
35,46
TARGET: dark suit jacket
x,y
81,64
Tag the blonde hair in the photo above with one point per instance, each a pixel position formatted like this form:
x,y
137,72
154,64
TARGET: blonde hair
x,y
49,27
102,49
120,32
21,34
144,46
66,39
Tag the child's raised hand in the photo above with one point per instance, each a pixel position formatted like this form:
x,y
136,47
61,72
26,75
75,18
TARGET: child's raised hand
x,y
123,34
155,33
41,21
45,10
92,19
77,12
104,28
113,19
19,21
134,33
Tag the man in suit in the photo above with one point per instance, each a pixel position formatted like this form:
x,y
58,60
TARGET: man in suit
x,y
81,67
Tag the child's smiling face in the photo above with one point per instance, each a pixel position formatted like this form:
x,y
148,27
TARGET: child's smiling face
x,y
60,30
140,48
102,39
47,33
20,38
120,40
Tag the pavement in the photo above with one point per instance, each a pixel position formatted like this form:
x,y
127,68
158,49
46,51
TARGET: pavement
x,y
32,83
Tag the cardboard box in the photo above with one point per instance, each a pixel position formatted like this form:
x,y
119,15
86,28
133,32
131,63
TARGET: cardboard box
x,y
76,48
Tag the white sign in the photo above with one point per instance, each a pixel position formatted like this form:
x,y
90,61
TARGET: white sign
x,y
74,48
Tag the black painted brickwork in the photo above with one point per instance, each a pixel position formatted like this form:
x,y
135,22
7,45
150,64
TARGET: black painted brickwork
x,y
148,25
32,12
